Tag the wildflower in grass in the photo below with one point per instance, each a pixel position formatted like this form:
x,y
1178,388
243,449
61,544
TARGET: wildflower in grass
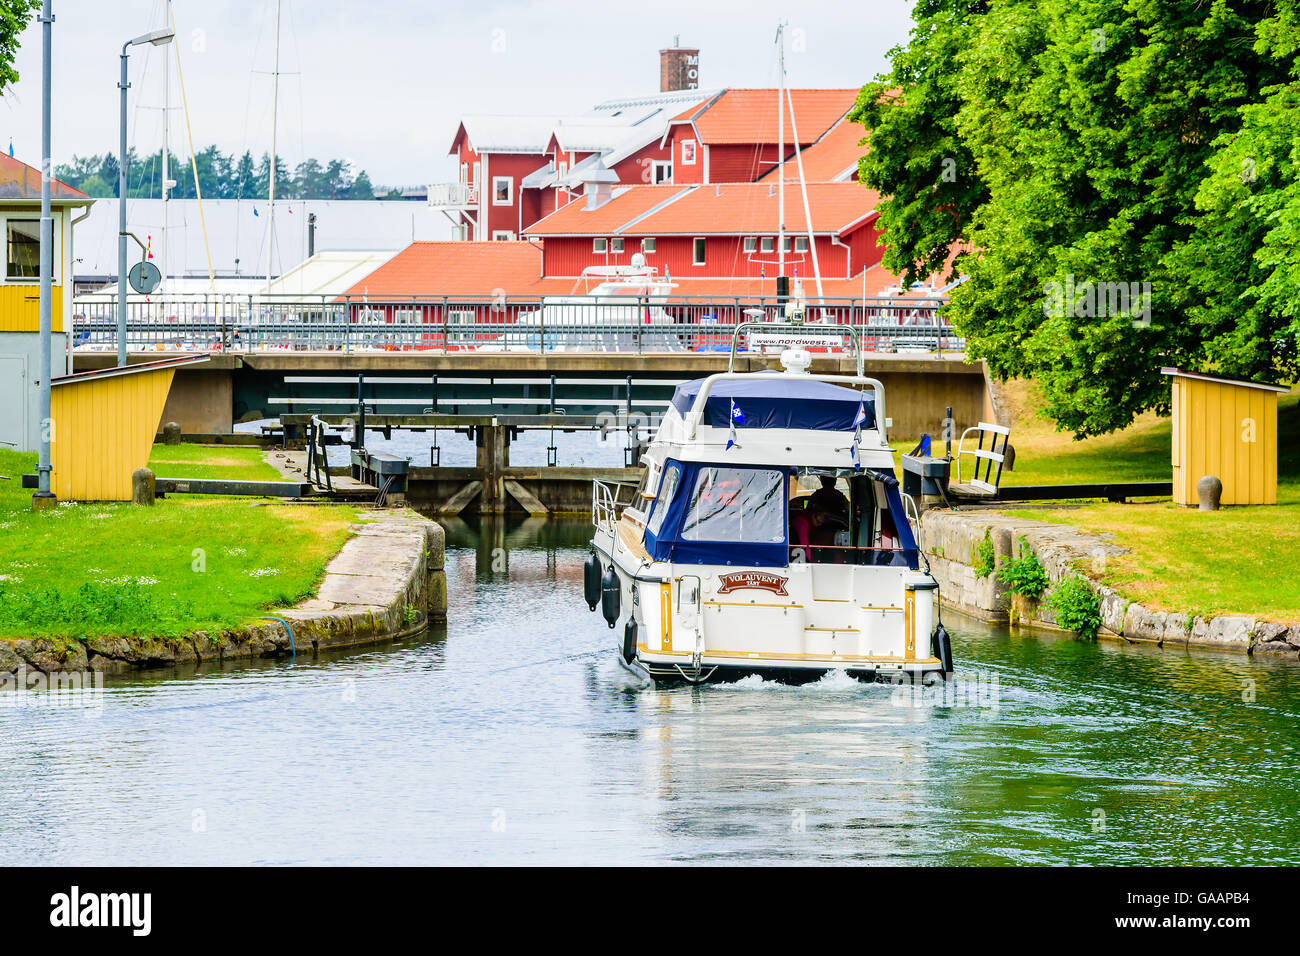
x,y
262,572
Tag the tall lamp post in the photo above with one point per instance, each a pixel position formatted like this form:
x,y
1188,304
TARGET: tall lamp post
x,y
44,497
156,38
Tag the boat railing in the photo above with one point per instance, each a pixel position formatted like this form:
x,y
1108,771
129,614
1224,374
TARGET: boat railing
x,y
606,504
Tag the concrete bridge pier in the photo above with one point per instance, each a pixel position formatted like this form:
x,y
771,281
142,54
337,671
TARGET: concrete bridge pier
x,y
492,457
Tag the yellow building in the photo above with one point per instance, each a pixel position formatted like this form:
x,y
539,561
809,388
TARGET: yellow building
x,y
105,422
1226,428
20,288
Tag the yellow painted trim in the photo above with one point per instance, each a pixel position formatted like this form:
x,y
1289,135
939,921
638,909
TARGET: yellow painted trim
x,y
842,630
773,655
747,604
666,616
909,625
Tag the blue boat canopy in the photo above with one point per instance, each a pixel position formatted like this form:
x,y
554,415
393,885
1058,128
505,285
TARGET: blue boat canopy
x,y
778,403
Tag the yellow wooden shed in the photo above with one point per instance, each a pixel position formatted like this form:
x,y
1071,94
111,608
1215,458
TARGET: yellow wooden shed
x,y
105,422
1226,428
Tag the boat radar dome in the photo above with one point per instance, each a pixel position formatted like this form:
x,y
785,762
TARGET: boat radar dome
x,y
638,260
796,361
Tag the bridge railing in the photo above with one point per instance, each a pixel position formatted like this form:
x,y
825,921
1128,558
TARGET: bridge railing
x,y
622,323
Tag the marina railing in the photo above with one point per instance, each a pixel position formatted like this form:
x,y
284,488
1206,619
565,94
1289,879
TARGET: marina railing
x,y
613,323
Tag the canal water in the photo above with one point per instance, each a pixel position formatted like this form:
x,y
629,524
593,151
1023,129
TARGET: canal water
x,y
514,737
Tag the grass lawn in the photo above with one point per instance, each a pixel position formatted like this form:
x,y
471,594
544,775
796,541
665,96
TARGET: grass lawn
x,y
191,562
1242,560
231,462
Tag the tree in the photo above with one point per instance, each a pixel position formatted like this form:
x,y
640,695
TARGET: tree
x,y
361,188
1089,124
14,17
917,161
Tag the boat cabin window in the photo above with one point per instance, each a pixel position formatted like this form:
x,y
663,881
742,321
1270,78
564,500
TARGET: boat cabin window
x,y
736,504
667,490
845,517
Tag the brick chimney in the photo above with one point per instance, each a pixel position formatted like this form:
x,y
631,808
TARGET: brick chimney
x,y
679,69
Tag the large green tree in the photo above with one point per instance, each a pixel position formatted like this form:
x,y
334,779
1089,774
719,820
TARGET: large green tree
x,y
15,16
1092,127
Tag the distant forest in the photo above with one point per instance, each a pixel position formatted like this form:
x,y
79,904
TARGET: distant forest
x,y
221,176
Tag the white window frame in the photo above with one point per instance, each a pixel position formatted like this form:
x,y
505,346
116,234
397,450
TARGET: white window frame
x,y
5,277
502,235
751,244
667,167
800,243
695,147
616,245
699,251
510,191
406,317
767,244
599,246
648,244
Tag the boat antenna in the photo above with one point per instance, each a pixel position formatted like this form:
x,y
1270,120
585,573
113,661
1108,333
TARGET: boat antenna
x,y
194,165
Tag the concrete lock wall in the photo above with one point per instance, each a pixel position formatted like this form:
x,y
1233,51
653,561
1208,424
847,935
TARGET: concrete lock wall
x,y
950,538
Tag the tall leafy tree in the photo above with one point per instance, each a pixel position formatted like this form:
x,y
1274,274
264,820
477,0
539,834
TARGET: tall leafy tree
x,y
1089,124
917,160
15,15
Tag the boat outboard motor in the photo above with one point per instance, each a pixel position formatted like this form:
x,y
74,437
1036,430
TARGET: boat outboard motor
x,y
591,580
943,649
611,597
629,640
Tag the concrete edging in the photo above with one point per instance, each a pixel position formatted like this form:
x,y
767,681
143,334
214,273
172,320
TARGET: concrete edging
x,y
386,579
950,540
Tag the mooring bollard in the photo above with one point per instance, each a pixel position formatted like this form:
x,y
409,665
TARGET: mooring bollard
x,y
1209,490
172,433
142,487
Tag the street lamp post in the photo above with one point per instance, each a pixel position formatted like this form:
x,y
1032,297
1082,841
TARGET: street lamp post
x,y
44,497
156,38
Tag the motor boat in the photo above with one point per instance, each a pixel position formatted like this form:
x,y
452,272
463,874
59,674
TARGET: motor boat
x,y
768,536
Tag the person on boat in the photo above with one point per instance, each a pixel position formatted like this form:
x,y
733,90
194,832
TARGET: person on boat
x,y
831,500
810,530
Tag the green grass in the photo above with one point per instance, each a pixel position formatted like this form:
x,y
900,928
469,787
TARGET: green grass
x,y
187,563
232,462
1243,560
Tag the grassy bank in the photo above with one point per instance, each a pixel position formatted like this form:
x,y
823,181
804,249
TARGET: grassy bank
x,y
1236,560
189,562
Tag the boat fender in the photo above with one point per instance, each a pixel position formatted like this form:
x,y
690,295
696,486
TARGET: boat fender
x,y
591,580
611,597
629,640
943,648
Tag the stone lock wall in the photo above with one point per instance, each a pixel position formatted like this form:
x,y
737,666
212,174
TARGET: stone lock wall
x,y
387,581
950,540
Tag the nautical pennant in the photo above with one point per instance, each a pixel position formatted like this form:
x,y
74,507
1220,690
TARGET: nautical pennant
x,y
858,420
737,416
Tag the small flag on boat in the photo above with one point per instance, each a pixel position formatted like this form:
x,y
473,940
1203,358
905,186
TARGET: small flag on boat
x,y
148,247
737,417
858,421
255,212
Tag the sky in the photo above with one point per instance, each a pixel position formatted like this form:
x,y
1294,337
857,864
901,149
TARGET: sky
x,y
382,84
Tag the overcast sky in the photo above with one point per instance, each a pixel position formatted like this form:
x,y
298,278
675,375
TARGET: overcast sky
x,y
383,83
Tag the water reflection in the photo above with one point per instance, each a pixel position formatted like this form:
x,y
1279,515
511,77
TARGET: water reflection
x,y
513,736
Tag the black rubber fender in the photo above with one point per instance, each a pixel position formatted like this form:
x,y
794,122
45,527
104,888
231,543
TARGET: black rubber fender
x,y
611,597
629,640
591,580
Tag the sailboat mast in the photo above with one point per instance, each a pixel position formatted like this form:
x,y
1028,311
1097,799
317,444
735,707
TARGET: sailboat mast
x,y
275,104
780,155
166,164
